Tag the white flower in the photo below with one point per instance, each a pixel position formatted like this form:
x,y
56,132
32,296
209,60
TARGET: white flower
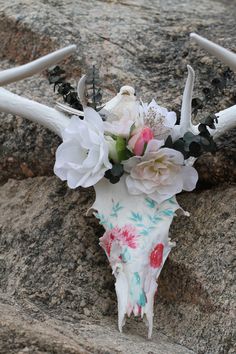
x,y
82,158
160,173
119,128
158,119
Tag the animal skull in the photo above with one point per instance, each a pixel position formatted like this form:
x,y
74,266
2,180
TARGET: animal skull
x,y
143,282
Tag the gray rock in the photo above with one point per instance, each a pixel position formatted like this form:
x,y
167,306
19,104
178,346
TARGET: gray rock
x,y
56,288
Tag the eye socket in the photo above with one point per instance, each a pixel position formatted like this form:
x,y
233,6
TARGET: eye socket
x,y
135,93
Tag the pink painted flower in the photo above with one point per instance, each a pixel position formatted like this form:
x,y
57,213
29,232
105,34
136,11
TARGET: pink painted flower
x,y
156,256
125,236
128,235
140,137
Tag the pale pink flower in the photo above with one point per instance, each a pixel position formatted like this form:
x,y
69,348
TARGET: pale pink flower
x,y
158,118
160,173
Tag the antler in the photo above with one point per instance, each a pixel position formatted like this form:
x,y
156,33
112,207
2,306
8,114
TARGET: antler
x,y
225,55
34,111
186,108
227,117
57,121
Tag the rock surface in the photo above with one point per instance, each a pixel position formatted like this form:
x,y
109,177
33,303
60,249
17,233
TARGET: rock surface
x,y
56,288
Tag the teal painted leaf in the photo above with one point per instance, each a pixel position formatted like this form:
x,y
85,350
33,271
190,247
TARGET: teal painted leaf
x,y
136,278
168,212
150,203
144,232
172,201
136,217
115,209
142,299
154,219
125,256
140,225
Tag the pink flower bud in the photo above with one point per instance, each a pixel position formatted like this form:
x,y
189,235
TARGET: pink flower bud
x,y
139,140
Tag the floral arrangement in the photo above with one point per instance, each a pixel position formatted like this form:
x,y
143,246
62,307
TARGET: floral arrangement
x,y
132,142
136,155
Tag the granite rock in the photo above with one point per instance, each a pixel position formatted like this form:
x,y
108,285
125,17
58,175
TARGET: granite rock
x,y
56,288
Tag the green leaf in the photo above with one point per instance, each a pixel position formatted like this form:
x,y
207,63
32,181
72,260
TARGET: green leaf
x,y
121,148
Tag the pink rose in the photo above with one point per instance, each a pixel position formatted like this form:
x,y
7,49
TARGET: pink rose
x,y
139,139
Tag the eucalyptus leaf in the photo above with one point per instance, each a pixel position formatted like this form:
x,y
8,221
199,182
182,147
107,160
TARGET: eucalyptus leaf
x,y
169,142
195,149
188,137
94,92
56,77
115,173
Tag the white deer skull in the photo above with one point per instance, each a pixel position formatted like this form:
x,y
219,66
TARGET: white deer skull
x,y
122,215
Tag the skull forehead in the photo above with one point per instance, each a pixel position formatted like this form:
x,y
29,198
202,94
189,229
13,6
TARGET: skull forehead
x,y
129,89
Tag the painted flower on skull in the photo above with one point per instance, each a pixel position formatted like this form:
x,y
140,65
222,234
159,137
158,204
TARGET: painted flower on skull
x,y
156,257
125,236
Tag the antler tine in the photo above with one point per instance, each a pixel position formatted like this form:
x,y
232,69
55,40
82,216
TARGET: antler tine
x,y
21,72
227,117
34,111
225,55
226,121
81,90
186,108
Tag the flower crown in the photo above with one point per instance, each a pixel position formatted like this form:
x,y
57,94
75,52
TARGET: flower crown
x,y
126,136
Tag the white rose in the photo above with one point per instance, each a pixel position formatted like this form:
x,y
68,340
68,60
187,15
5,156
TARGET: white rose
x,y
120,128
82,158
160,173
